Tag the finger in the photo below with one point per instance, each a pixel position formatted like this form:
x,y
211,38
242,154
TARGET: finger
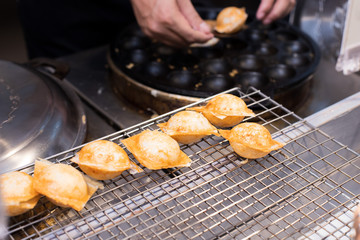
x,y
280,9
190,35
160,20
166,23
291,5
166,35
264,8
174,33
170,38
181,27
192,16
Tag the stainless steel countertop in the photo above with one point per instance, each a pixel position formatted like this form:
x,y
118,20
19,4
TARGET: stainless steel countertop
x,y
341,121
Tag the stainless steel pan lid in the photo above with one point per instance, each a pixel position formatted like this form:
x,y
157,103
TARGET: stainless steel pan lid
x,y
39,116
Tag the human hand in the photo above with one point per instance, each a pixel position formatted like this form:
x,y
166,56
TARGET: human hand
x,y
173,22
270,10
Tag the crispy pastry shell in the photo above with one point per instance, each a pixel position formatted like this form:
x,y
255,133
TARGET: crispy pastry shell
x,y
225,110
18,193
63,185
230,20
156,150
104,160
187,127
251,140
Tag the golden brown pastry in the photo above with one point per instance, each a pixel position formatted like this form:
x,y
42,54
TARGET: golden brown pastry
x,y
156,150
357,223
63,184
18,193
225,110
187,127
230,20
104,160
251,140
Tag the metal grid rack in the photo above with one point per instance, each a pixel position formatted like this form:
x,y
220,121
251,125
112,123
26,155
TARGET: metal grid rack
x,y
306,190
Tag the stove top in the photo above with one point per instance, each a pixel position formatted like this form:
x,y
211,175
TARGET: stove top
x,y
107,112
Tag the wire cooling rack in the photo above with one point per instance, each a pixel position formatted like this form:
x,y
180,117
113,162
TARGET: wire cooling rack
x,y
306,190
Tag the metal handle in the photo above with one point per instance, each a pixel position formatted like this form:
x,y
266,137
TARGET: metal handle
x,y
57,68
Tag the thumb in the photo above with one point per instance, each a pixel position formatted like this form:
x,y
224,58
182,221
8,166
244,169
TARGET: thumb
x,y
264,8
193,18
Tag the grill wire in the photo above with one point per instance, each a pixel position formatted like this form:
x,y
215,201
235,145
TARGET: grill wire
x,y
306,190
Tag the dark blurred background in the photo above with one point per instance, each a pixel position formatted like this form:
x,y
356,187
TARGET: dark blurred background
x,y
12,44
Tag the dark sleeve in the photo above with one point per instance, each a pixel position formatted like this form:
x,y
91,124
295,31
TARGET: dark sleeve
x,y
60,27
